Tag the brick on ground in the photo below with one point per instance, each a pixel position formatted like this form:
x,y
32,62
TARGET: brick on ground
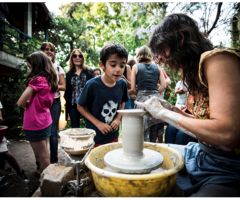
x,y
54,179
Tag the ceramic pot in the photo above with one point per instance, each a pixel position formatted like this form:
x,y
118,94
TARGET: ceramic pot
x,y
76,141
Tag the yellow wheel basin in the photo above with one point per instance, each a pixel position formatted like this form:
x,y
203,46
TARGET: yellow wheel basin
x,y
112,184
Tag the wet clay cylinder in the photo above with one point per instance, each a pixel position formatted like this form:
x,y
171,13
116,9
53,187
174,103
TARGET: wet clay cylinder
x,y
132,133
132,158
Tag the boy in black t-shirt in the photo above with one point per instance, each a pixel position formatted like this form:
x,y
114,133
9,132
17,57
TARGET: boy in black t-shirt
x,y
102,96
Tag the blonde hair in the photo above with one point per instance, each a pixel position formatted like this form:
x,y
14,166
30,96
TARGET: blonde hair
x,y
71,65
144,54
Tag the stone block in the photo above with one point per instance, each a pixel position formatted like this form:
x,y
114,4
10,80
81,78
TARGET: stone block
x,y
54,179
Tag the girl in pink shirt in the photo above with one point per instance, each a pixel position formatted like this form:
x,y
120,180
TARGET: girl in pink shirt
x,y
38,97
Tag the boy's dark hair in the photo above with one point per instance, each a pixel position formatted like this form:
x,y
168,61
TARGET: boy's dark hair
x,y
112,48
186,43
97,69
42,66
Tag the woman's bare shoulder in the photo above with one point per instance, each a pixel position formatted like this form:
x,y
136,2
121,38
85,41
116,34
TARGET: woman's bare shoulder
x,y
222,58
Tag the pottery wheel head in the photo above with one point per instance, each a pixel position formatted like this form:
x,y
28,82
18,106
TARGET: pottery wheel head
x,y
144,164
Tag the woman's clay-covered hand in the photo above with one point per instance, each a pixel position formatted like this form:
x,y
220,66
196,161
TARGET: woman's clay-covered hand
x,y
153,106
167,105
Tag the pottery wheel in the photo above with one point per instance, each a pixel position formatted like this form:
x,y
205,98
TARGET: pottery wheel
x,y
122,163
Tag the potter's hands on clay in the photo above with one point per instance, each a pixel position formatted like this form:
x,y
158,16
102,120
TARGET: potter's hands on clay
x,y
114,125
167,105
153,106
156,109
104,128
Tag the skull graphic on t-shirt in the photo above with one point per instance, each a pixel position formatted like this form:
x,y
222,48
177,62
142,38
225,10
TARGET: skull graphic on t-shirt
x,y
109,111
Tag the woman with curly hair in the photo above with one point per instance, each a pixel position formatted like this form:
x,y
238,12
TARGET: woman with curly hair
x,y
211,165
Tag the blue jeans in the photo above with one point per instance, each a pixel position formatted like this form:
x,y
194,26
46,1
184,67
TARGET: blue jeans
x,y
55,111
205,166
132,102
75,117
175,136
128,105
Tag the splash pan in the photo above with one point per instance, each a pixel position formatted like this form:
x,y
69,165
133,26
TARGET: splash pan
x,y
113,184
122,163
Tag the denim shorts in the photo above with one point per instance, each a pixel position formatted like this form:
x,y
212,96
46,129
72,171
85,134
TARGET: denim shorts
x,y
38,135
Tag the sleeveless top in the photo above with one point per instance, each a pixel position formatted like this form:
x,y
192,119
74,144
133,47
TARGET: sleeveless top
x,y
200,109
147,76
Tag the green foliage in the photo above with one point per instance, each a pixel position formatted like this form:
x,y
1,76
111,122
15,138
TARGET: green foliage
x,y
117,21
11,88
174,76
68,33
12,39
120,129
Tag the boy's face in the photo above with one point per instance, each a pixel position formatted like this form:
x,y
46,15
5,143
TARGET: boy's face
x,y
114,67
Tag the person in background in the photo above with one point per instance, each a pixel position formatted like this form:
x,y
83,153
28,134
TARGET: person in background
x,y
97,72
131,94
181,91
145,75
167,79
176,136
105,94
76,78
3,12
127,77
90,70
168,83
211,165
49,49
11,158
38,97
131,63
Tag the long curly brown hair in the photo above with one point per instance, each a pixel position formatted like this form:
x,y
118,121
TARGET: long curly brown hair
x,y
42,66
186,44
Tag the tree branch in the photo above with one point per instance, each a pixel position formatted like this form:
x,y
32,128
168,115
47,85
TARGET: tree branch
x,y
216,19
